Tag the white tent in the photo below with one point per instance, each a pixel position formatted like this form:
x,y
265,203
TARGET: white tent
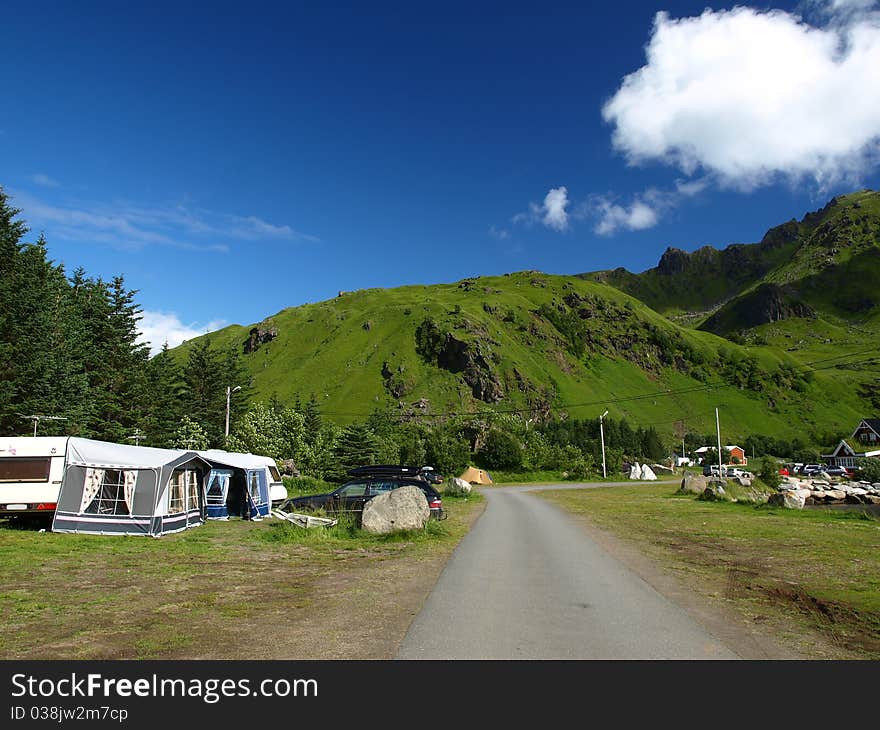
x,y
112,488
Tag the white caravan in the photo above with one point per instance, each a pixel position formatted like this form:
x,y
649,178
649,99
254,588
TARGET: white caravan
x,y
31,470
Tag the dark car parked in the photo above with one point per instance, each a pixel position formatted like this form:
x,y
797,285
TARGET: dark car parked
x,y
368,483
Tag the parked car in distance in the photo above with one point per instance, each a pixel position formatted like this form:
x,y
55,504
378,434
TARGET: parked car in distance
x,y
430,475
372,481
809,469
783,471
835,471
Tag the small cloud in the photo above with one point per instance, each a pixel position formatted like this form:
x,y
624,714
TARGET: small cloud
x,y
500,234
158,328
555,203
44,180
551,213
612,217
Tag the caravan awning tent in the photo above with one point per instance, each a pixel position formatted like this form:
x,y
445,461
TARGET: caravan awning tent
x,y
129,490
238,485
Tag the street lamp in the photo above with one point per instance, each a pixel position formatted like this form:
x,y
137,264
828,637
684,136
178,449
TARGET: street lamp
x,y
229,391
602,435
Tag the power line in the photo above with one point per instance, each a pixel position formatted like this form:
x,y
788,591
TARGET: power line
x,y
603,401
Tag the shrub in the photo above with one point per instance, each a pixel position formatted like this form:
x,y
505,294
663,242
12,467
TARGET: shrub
x,y
500,451
870,471
769,473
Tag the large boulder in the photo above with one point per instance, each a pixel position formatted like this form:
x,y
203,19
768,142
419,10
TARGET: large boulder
x,y
743,481
405,508
693,483
647,473
790,499
635,471
458,487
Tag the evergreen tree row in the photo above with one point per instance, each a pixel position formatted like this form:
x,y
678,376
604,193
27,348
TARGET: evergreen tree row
x,y
69,350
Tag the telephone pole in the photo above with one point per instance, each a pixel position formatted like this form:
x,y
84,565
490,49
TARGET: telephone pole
x,y
718,431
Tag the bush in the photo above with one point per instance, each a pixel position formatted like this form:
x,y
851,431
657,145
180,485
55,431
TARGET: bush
x,y
500,451
769,473
870,471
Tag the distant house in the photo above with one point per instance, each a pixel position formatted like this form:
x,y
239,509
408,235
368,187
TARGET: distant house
x,y
737,454
863,444
868,432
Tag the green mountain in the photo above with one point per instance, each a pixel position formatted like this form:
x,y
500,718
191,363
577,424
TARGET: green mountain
x,y
531,343
823,267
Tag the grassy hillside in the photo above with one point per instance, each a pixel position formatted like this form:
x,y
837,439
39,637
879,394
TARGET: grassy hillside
x,y
531,343
825,266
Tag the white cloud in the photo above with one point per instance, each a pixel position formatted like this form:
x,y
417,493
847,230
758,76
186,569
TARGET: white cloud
x,y
555,203
749,96
134,227
644,211
44,180
612,217
157,328
502,234
551,213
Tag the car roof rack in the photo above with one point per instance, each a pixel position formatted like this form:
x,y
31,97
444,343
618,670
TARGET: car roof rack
x,y
385,470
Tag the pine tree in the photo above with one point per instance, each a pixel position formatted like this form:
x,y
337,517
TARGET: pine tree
x,y
37,375
313,423
357,446
205,390
164,405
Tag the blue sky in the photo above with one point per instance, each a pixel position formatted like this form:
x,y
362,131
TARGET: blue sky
x,y
234,159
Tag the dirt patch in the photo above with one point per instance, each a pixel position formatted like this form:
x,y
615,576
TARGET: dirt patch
x,y
170,599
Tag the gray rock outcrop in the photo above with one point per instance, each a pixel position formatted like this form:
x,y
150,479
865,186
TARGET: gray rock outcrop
x,y
405,508
790,499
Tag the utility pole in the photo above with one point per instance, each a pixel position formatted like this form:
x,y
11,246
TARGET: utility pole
x,y
602,436
137,437
718,431
229,391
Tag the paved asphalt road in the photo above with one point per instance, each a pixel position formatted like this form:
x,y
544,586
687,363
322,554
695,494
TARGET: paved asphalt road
x,y
527,582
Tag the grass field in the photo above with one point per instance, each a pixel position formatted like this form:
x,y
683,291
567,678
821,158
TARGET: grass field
x,y
225,590
812,577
